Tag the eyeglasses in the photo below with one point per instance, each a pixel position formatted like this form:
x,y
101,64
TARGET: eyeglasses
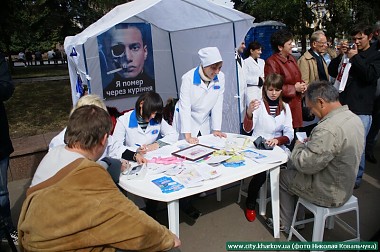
x,y
323,43
118,50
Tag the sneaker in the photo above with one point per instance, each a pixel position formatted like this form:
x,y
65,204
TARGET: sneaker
x,y
14,236
269,223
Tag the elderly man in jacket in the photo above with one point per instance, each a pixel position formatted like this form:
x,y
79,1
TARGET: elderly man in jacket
x,y
324,168
311,64
313,67
80,207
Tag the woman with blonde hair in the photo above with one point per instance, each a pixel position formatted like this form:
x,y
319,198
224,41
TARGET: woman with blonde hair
x,y
113,166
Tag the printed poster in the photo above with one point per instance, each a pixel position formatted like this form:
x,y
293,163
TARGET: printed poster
x,y
126,60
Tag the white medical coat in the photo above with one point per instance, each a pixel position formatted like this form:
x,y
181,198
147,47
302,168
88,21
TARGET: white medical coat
x,y
253,70
270,127
199,108
129,135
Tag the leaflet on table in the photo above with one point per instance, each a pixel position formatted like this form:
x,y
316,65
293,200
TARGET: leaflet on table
x,y
214,160
261,156
235,143
165,151
231,142
167,184
154,168
207,171
190,178
213,141
194,174
176,169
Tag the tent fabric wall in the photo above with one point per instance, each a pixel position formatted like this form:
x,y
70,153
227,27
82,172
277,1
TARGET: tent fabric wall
x,y
176,37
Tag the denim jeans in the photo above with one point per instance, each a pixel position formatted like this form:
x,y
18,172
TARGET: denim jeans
x,y
367,121
5,209
373,133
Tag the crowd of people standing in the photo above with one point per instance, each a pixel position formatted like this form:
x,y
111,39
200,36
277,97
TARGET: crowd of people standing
x,y
53,56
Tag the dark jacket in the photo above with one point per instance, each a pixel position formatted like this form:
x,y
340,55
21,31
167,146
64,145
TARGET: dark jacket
x,y
6,91
289,70
359,93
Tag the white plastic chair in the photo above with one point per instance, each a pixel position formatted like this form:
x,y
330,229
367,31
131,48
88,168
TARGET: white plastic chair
x,y
324,214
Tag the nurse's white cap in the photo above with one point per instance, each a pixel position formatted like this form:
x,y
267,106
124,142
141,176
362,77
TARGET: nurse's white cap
x,y
209,56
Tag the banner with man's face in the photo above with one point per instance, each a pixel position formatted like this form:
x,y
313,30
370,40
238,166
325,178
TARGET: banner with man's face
x,y
126,60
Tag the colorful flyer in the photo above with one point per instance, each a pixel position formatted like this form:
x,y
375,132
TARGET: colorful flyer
x,y
167,184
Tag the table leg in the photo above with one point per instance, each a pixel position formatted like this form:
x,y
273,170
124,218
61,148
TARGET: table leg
x,y
263,199
173,216
275,190
219,194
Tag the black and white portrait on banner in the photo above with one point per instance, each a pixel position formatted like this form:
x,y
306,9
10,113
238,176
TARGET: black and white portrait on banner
x,y
126,60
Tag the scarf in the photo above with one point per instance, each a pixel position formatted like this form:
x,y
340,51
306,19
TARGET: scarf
x,y
321,69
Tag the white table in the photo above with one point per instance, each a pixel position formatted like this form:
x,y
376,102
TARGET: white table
x,y
147,189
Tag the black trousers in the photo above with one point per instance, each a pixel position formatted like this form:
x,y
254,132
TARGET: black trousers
x,y
253,189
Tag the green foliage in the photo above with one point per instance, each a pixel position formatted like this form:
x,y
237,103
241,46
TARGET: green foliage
x,y
38,107
338,20
41,24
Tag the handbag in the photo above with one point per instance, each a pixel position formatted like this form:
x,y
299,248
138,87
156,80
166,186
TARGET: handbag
x,y
307,116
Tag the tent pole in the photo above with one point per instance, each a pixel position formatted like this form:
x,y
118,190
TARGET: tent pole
x,y
86,67
175,75
237,75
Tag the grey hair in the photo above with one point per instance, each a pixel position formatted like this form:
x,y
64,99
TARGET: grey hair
x,y
323,90
316,36
376,29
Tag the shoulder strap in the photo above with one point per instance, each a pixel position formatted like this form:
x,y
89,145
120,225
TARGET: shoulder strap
x,y
56,178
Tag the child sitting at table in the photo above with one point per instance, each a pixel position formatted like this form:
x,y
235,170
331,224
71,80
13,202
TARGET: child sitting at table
x,y
271,119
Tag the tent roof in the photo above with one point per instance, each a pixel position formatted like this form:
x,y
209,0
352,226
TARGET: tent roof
x,y
178,15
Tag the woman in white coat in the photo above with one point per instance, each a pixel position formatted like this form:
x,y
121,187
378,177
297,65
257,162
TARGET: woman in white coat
x,y
271,119
143,129
254,71
200,105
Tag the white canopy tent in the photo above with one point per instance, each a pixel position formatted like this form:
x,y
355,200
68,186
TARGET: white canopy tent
x,y
179,28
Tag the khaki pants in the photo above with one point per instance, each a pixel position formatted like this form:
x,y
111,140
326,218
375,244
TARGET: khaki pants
x,y
288,199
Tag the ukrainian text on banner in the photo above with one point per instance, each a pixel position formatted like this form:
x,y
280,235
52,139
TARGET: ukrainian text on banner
x,y
290,246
